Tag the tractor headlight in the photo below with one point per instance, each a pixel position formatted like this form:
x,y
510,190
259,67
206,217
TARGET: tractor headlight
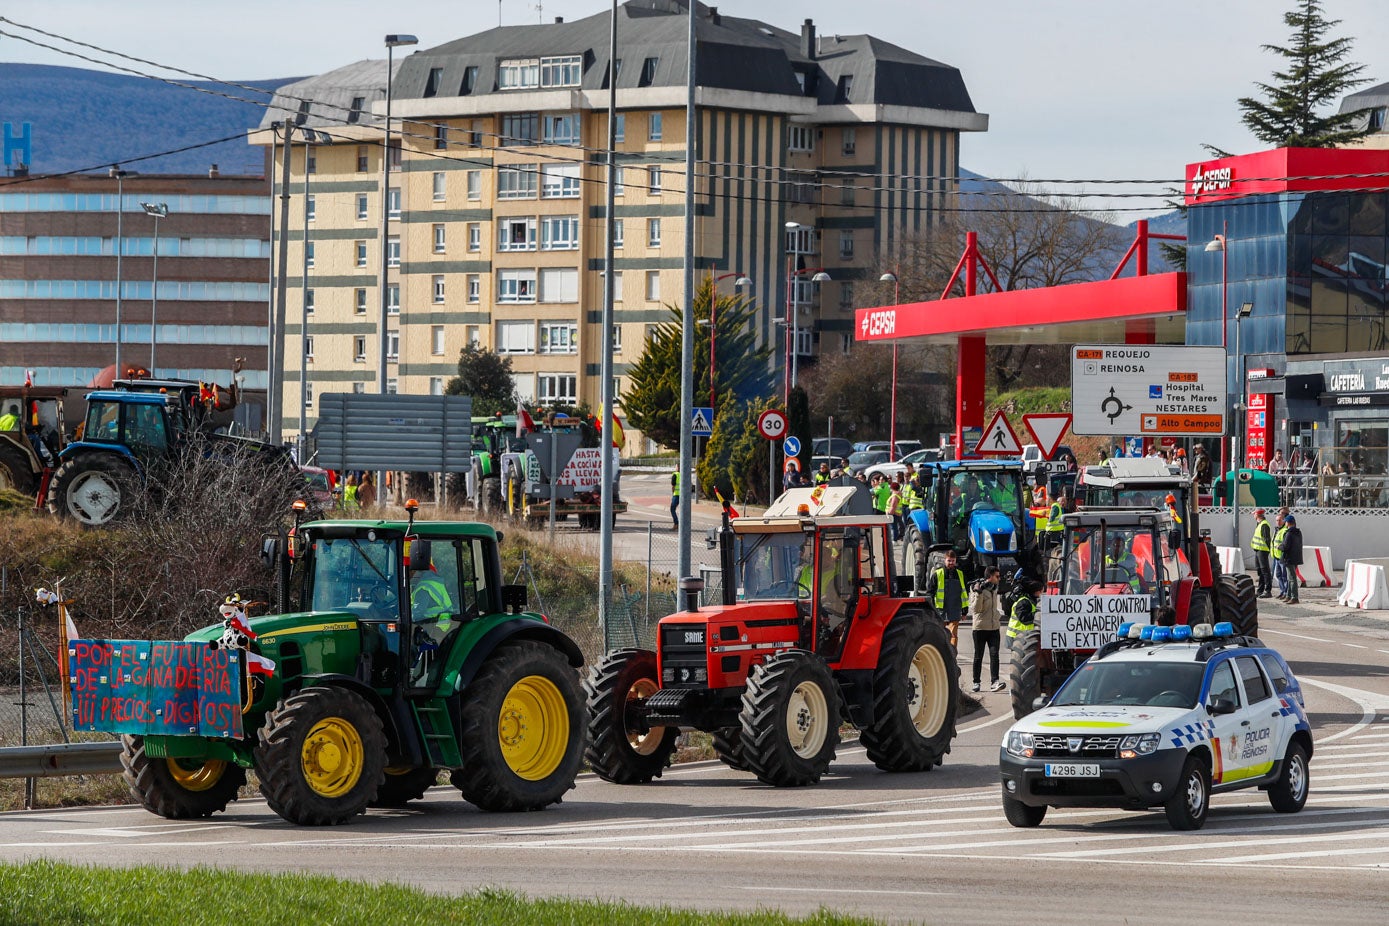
x,y
986,541
1021,745
1131,747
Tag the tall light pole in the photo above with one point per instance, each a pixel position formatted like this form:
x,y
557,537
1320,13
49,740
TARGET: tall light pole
x,y
392,43
156,211
891,277
1237,450
1219,243
120,176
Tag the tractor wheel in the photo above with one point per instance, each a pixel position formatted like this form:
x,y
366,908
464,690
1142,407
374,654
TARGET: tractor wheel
x,y
92,488
492,496
1024,673
790,719
321,756
934,560
522,731
728,745
621,748
914,556
403,785
916,688
1200,611
512,500
15,472
1239,603
179,789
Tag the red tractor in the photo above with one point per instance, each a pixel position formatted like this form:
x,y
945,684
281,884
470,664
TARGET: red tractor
x,y
813,630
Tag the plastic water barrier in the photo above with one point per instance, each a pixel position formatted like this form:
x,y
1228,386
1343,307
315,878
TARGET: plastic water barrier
x,y
1365,586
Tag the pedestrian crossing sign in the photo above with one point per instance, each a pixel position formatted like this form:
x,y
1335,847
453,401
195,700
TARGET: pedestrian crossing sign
x,y
999,438
701,421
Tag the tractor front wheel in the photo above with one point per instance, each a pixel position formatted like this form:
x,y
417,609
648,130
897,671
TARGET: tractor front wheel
x,y
92,488
179,789
1239,603
1025,672
728,746
790,719
622,748
321,756
916,688
914,556
522,729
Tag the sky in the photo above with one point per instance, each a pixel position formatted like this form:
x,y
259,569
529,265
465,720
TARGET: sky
x,y
1074,89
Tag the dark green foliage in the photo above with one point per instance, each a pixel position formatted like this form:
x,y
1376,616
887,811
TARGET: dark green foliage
x,y
486,376
798,424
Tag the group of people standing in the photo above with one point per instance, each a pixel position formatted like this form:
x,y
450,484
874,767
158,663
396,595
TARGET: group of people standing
x,y
1277,554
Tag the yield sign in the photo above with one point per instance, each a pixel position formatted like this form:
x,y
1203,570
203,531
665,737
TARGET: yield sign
x,y
1047,431
999,438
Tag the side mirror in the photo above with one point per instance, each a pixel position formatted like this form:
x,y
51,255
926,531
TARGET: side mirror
x,y
513,598
269,550
1040,702
1217,706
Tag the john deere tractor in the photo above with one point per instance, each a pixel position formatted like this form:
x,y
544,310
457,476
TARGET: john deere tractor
x,y
401,655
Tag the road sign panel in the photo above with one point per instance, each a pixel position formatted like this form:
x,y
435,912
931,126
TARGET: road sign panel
x,y
999,438
1047,431
791,446
771,424
1148,389
701,421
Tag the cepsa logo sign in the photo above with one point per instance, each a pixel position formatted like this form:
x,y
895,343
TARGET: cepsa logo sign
x,y
1211,180
879,322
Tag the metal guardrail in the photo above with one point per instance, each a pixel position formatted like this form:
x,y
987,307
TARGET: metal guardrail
x,y
61,759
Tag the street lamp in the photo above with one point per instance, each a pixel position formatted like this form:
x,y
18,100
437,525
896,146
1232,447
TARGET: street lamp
x,y
793,310
392,43
1218,243
741,281
1240,405
120,176
156,211
891,277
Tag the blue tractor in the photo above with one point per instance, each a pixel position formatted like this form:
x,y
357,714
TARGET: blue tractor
x,y
974,507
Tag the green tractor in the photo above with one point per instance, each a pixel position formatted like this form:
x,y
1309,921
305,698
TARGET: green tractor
x,y
401,656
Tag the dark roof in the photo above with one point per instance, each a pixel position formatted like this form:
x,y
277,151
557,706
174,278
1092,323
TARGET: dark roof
x,y
734,54
331,95
1369,98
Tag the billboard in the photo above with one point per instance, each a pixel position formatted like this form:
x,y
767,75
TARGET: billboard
x,y
1148,389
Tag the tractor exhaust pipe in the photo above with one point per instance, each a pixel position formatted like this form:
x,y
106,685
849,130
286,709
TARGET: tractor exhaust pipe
x,y
690,588
728,565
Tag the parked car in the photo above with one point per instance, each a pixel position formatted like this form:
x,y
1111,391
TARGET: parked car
x,y
836,447
1032,458
894,469
863,459
319,488
905,447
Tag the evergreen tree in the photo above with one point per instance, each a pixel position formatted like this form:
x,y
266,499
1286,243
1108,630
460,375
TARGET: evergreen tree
x,y
1316,75
487,377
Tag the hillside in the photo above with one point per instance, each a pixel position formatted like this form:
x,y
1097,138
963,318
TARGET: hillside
x,y
86,120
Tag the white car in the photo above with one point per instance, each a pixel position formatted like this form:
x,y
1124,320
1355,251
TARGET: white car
x,y
895,469
1163,717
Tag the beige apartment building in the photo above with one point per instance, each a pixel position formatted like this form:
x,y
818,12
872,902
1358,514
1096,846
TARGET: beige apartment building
x,y
496,198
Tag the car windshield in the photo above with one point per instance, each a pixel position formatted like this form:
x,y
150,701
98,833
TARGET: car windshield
x,y
1160,684
774,566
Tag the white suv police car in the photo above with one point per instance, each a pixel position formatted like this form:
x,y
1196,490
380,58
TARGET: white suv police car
x,y
1163,716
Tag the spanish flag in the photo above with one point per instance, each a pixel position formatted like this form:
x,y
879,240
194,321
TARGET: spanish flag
x,y
619,439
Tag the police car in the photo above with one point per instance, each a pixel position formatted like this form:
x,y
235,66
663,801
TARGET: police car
x,y
1163,716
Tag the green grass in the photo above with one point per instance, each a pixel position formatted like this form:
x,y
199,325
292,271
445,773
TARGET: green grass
x,y
58,894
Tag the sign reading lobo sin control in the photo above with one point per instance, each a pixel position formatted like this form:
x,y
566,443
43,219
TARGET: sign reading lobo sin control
x,y
1088,622
1148,389
152,688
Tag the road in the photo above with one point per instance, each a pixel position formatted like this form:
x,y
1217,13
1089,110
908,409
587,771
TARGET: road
x,y
911,848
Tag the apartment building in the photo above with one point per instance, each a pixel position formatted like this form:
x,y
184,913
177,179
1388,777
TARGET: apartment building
x,y
496,216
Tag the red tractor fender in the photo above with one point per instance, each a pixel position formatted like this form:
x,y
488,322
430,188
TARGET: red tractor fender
x,y
1182,591
865,641
1204,570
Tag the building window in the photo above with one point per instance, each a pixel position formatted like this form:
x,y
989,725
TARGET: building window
x,y
311,165
475,134
800,137
620,128
308,392
615,343
516,234
518,74
473,335
560,181
654,127
309,302
359,305
846,192
359,388
310,208
516,286
393,251
436,385
437,282
474,236
516,337
848,140
846,344
308,254
653,233
567,71
393,347
392,298
562,129
362,159
308,347
653,286
800,241
393,203
392,386
436,340
846,244
559,284
354,112
648,72
846,297
469,80
559,232
440,239
475,184
394,154
361,248
431,84
517,182
520,129
441,186
845,91
559,338
619,231
359,349
556,387
618,188
474,284
653,180
441,137
361,207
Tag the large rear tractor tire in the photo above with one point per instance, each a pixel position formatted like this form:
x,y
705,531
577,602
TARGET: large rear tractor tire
x,y
522,729
1201,610
914,555
321,756
492,496
916,689
15,472
1239,603
1025,672
790,719
94,489
401,786
728,746
179,789
622,748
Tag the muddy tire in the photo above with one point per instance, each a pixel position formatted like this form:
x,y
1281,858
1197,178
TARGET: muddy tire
x,y
728,746
1025,672
522,733
93,489
401,786
916,689
179,789
790,719
621,749
15,472
1239,603
321,756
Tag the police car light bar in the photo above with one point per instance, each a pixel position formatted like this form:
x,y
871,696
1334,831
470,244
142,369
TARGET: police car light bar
x,y
1162,634
1202,632
1135,632
1181,633
1224,629
1146,632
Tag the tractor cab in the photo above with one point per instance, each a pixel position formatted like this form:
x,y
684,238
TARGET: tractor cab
x,y
1120,552
137,424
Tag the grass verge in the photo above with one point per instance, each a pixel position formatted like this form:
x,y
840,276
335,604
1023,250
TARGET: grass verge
x,y
58,894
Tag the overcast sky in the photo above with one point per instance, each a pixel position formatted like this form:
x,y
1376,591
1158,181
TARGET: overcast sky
x,y
1075,89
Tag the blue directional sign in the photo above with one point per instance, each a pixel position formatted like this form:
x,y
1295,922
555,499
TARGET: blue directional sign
x,y
701,421
792,446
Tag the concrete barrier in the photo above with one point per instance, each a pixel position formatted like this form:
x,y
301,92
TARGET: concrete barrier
x,y
1316,562
1231,560
1365,585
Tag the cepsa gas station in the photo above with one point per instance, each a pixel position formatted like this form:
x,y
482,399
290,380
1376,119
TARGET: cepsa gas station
x,y
1286,253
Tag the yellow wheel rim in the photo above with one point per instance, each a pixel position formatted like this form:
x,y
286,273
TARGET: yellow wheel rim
x,y
928,692
191,775
644,744
533,728
332,757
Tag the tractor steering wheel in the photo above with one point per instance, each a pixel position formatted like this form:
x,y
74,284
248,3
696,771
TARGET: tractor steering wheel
x,y
1129,575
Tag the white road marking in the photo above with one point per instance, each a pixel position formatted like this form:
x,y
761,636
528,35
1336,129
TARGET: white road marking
x,y
1370,703
985,723
1284,633
1324,853
848,890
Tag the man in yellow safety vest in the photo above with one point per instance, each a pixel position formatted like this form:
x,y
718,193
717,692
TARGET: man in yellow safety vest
x,y
1262,545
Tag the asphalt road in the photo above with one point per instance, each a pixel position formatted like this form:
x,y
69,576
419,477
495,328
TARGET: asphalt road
x,y
911,848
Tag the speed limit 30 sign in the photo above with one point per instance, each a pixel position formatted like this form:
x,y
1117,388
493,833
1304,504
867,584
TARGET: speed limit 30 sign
x,y
771,424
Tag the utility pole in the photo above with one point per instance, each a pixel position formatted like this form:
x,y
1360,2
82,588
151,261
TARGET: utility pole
x,y
277,333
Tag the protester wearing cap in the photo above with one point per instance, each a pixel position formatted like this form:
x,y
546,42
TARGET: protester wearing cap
x,y
1174,536
1291,549
1262,544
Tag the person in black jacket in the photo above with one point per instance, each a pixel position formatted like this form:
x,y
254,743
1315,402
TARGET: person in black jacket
x,y
1292,556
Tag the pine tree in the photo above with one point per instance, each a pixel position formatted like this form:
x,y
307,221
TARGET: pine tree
x,y
487,377
1317,75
